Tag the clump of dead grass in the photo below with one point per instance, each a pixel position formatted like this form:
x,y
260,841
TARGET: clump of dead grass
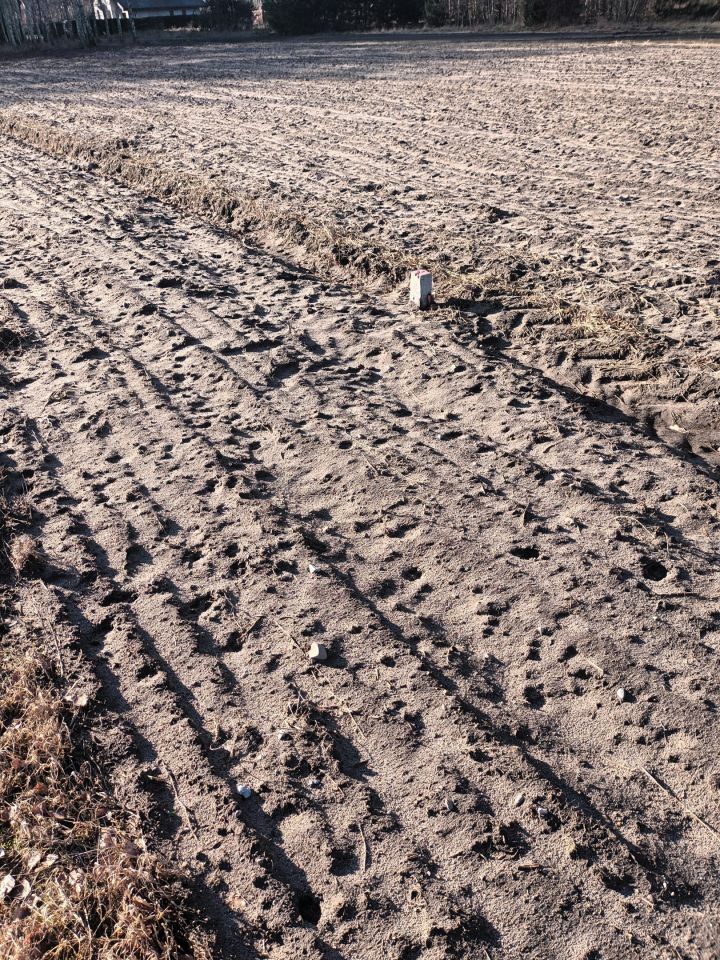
x,y
25,555
75,878
589,319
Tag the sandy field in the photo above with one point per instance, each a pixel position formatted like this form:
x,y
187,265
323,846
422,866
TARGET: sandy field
x,y
499,516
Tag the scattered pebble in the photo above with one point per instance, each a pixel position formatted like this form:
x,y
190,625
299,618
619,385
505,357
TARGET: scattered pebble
x,y
244,791
7,885
318,652
450,805
543,812
312,568
518,799
283,734
78,700
620,694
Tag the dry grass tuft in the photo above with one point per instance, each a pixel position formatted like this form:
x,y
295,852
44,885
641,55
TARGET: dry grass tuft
x,y
75,878
25,555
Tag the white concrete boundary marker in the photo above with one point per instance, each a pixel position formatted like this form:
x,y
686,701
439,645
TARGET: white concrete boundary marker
x,y
421,289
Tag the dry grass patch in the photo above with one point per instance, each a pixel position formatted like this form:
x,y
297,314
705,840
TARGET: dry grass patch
x,y
75,878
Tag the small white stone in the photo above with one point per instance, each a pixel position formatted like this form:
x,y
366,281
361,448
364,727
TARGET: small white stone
x,y
312,568
318,652
518,799
244,791
620,694
450,805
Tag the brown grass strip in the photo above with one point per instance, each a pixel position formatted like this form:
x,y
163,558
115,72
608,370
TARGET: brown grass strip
x,y
76,880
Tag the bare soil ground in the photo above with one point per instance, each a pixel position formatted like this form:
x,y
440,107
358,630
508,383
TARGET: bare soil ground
x,y
575,185
501,517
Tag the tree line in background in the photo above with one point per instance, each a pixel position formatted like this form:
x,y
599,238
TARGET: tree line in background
x,y
312,16
25,22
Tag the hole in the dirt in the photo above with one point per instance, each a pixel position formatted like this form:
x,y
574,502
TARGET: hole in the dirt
x,y
198,605
309,908
386,588
117,595
525,553
146,670
533,696
105,625
344,862
622,882
653,569
568,653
